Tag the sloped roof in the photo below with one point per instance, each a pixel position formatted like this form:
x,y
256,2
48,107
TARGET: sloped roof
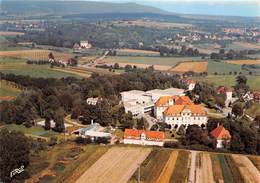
x,y
177,109
179,100
131,133
220,133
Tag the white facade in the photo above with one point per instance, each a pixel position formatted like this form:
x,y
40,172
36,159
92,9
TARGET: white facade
x,y
85,44
92,101
185,118
143,140
191,86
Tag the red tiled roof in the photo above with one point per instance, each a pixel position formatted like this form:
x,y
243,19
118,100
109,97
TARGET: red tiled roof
x,y
179,100
177,109
220,133
131,133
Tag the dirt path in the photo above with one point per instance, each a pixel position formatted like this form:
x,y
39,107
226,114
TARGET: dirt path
x,y
192,173
168,168
115,166
247,169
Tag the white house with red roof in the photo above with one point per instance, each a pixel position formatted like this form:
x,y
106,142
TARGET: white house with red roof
x,y
222,136
143,137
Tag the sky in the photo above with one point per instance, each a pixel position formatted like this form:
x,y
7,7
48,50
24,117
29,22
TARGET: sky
x,y
248,8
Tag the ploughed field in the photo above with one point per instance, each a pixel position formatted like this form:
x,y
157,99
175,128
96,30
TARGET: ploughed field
x,y
116,165
157,165
35,54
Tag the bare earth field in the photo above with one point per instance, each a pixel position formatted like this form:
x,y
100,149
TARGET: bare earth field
x,y
139,51
204,173
36,54
116,165
7,33
241,62
246,168
191,66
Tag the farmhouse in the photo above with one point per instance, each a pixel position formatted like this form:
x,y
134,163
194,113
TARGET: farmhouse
x,y
222,136
140,102
85,44
142,137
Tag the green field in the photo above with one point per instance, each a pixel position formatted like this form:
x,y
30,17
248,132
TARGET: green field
x,y
169,61
230,80
19,67
6,90
221,67
34,131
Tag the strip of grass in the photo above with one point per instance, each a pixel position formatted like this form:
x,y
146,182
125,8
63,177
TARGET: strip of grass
x,y
181,170
152,166
75,169
227,174
234,169
217,171
171,61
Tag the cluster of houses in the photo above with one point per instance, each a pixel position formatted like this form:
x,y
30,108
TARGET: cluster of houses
x,y
157,138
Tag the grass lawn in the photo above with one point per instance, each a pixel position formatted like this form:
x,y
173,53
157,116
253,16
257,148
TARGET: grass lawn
x,y
35,130
221,67
19,67
6,90
169,61
64,162
230,80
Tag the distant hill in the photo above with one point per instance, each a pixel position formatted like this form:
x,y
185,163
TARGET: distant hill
x,y
43,7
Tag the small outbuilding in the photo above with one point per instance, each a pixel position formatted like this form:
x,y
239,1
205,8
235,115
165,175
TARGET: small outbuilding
x,y
222,136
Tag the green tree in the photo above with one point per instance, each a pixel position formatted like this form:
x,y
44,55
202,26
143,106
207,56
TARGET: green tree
x,y
142,124
14,153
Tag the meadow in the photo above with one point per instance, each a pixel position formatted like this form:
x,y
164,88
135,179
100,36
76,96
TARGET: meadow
x,y
167,61
7,90
230,80
222,67
19,67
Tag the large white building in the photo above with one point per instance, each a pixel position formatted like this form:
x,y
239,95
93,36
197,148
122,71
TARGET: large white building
x,y
179,110
140,102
